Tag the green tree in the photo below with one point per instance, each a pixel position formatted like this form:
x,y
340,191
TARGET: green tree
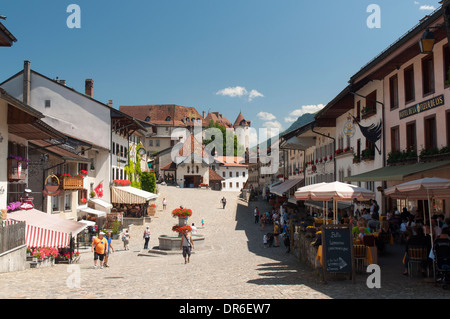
x,y
148,182
227,135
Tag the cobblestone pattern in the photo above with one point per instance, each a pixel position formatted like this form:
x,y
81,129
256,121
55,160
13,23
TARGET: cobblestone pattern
x,y
234,264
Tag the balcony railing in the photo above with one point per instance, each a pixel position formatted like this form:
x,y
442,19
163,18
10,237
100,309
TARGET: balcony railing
x,y
72,183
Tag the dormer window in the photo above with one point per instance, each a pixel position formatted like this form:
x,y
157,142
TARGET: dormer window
x,y
147,119
168,119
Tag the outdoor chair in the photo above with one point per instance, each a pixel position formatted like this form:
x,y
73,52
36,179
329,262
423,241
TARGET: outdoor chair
x,y
441,251
359,255
418,256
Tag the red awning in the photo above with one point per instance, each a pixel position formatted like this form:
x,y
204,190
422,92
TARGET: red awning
x,y
44,230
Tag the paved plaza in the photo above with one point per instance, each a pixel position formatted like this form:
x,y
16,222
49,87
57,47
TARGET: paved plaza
x,y
232,265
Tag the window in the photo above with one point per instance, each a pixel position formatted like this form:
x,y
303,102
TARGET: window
x,y
157,142
114,148
358,110
446,65
448,127
231,185
223,174
371,102
231,174
150,143
428,75
117,149
393,90
55,203
147,119
68,201
430,133
121,151
395,139
243,173
48,103
409,84
168,119
237,184
237,174
411,137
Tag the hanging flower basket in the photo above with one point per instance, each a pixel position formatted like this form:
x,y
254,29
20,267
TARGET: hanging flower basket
x,y
181,212
83,172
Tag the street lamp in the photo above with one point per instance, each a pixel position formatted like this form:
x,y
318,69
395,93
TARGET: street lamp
x,y
427,41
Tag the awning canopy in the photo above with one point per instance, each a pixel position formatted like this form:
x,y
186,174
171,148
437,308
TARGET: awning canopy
x,y
283,188
93,212
395,173
130,195
101,203
45,230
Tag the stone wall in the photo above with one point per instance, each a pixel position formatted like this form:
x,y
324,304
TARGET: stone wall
x,y
14,259
304,251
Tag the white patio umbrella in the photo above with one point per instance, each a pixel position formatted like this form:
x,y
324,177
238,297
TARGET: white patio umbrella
x,y
304,193
424,188
336,191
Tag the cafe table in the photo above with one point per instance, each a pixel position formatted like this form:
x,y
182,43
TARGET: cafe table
x,y
369,258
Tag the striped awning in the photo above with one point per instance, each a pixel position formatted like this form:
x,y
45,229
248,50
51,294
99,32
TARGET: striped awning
x,y
45,230
130,195
40,237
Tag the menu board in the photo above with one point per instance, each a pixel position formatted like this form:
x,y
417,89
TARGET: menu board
x,y
337,248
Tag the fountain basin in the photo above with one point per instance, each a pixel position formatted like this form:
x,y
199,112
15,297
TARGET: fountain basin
x,y
174,242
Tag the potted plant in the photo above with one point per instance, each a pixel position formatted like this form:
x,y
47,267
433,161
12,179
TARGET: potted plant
x,y
92,194
116,229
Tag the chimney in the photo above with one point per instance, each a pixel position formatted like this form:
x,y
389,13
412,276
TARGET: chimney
x,y
89,87
26,82
110,103
204,114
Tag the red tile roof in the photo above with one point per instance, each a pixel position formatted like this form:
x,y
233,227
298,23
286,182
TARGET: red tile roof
x,y
213,176
241,121
164,115
217,118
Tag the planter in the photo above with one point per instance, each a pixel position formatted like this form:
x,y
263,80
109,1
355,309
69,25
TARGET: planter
x,y
435,157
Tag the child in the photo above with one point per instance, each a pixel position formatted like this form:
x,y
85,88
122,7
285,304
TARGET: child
x,y
265,241
203,223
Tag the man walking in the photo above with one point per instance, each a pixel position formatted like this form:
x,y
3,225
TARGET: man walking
x,y
99,247
224,202
109,250
256,214
187,244
146,236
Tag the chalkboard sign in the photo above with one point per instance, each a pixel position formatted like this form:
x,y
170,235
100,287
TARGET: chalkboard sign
x,y
337,245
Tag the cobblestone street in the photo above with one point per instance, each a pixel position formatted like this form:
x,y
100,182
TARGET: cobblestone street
x,y
233,264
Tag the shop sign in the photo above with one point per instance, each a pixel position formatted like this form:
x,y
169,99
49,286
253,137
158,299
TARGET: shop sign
x,y
422,107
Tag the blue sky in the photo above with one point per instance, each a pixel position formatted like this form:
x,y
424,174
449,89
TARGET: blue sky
x,y
271,59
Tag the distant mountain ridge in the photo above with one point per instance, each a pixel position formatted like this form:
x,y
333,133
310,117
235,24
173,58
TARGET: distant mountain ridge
x,y
302,120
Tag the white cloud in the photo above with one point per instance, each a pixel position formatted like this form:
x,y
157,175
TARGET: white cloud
x,y
294,115
239,91
265,116
253,94
233,91
273,125
427,7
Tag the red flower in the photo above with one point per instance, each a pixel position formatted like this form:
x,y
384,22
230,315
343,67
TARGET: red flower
x,y
182,212
181,229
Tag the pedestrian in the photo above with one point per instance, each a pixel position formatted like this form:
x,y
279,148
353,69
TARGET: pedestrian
x,y
99,247
224,202
256,214
287,243
164,204
203,223
276,234
126,239
265,241
194,229
187,244
146,237
109,250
